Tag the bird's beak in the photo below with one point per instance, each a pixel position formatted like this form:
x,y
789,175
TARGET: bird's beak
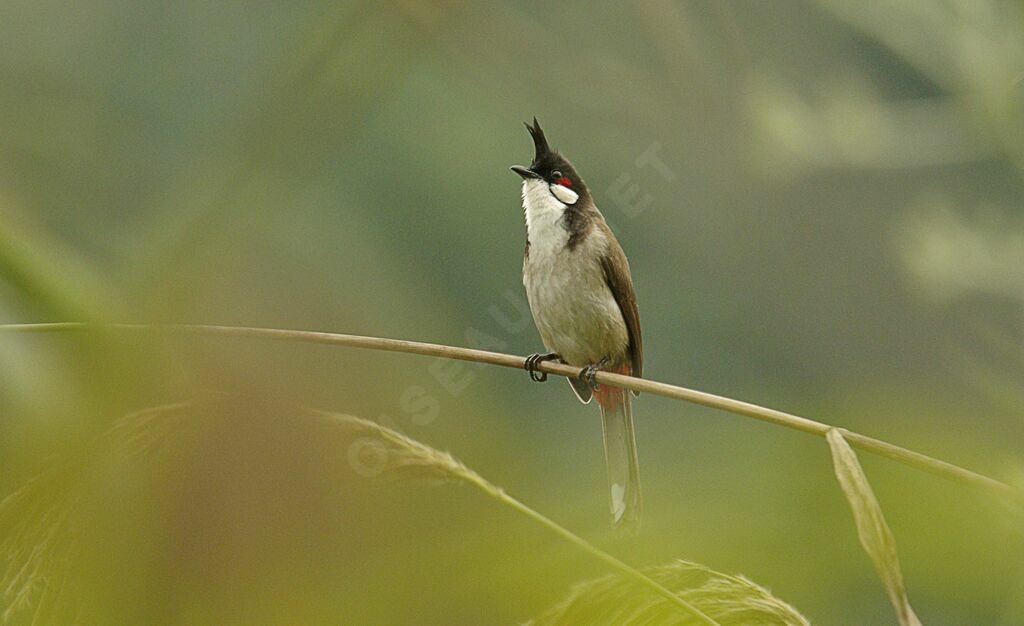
x,y
525,172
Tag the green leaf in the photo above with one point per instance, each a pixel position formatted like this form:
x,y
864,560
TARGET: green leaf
x,y
872,530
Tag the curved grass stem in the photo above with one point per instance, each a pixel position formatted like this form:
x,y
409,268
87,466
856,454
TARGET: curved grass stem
x,y
780,418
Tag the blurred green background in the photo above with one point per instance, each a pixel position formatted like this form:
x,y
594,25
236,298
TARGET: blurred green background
x,y
836,231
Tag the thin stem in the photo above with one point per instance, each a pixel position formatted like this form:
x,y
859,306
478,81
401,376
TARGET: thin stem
x,y
863,442
615,563
452,467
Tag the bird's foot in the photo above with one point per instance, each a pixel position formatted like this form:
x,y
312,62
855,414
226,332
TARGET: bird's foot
x,y
588,373
536,359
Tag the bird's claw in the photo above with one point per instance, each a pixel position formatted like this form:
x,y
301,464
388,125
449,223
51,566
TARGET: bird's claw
x,y
589,373
536,359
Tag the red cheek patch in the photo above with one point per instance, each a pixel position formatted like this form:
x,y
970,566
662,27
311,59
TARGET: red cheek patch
x,y
565,182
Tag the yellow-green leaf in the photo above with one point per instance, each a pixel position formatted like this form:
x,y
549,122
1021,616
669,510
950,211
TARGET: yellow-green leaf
x,y
875,535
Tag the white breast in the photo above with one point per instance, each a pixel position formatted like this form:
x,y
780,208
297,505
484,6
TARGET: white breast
x,y
574,310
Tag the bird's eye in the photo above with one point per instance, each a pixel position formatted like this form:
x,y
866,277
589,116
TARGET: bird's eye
x,y
561,179
556,175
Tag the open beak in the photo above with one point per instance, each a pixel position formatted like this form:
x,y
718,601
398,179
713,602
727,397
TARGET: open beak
x,y
525,172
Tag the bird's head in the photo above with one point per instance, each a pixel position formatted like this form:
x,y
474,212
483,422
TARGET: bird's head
x,y
550,172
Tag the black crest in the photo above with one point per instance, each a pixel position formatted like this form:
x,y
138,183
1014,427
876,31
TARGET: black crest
x,y
540,142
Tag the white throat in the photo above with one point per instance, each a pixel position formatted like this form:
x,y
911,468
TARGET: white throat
x,y
543,215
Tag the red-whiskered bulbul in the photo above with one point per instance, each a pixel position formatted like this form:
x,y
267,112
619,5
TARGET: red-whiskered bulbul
x,y
581,295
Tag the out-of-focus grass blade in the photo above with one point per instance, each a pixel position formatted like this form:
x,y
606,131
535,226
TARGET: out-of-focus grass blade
x,y
50,275
872,530
37,548
37,544
726,599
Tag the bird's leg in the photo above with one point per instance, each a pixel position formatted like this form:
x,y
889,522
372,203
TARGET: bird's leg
x,y
535,359
588,373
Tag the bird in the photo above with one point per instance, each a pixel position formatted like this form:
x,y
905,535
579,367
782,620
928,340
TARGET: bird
x,y
580,292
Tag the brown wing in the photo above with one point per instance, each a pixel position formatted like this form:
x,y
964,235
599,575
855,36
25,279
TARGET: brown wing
x,y
616,274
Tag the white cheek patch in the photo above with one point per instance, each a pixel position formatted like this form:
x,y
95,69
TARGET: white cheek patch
x,y
564,194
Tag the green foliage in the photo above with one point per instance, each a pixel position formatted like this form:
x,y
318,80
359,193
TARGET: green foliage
x,y
839,236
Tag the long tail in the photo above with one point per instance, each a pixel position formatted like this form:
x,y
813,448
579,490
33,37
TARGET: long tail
x,y
621,457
